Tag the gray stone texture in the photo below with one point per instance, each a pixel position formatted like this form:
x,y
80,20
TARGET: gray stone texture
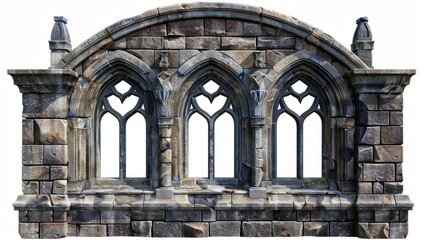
x,y
35,172
46,187
325,216
316,228
147,56
256,229
388,153
367,102
142,228
390,102
365,153
393,188
55,154
371,118
144,42
378,172
368,135
287,229
276,55
92,230
44,106
233,28
53,230
50,131
29,230
398,230
342,229
114,216
391,135
238,43
214,27
225,229
30,187
58,172
32,154
183,216
84,216
225,215
377,188
194,27
145,215
372,230
276,42
195,229
251,29
173,58
119,230
386,216
27,131
201,43
396,118
167,229
284,215
174,43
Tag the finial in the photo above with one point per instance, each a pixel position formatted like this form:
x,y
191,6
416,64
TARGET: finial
x,y
60,43
363,44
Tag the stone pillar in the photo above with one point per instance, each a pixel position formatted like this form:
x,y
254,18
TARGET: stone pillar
x,y
382,210
43,207
60,44
362,44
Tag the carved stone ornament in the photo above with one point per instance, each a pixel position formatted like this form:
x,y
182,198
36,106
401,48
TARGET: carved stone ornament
x,y
258,89
164,87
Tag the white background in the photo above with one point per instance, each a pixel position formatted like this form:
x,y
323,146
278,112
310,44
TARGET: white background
x,y
397,26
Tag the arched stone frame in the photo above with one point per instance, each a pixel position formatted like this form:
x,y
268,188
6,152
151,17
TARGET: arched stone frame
x,y
85,99
336,94
228,73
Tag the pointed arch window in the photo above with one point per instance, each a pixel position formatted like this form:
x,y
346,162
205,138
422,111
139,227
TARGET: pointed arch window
x,y
211,132
123,130
299,134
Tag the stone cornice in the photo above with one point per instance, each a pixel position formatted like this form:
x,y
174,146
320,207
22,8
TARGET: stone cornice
x,y
381,80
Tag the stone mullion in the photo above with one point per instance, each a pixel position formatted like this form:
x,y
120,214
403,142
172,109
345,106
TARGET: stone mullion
x,y
165,158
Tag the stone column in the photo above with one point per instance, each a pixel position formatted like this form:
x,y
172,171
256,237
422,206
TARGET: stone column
x,y
382,210
43,207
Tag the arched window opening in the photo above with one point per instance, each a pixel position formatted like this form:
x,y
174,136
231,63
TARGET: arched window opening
x,y
299,133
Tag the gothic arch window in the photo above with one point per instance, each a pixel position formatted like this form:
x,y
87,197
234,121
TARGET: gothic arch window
x,y
124,122
300,134
211,132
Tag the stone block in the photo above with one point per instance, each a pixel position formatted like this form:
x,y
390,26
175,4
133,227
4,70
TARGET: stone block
x,y
403,216
144,42
342,229
50,131
256,215
183,216
268,31
399,174
72,230
303,216
173,58
398,230
165,192
174,43
316,228
114,216
275,56
369,118
192,27
196,229
146,215
242,202
35,173
225,229
403,202
127,202
46,187
55,154
39,216
276,42
351,215
390,102
257,193
159,30
201,43
30,187
59,216
256,229
386,216
365,153
245,58
375,201
367,102
209,216
59,187
104,202
287,228
393,188
388,153
377,188
364,187
119,230
44,105
167,229
233,28
92,230
84,216
185,55
278,202
58,172
378,172
304,44
366,216
372,230
392,135
396,118
142,228
27,131
214,27
242,43
147,56
53,230
28,230
32,155
251,29
210,202
368,135
324,215
284,215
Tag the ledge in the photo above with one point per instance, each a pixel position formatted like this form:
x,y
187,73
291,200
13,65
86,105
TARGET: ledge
x,y
383,202
42,202
381,80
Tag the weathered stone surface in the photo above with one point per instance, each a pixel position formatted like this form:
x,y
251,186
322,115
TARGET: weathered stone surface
x,y
114,216
35,172
379,172
59,216
32,155
209,216
386,216
390,102
322,202
44,105
30,187
84,216
50,131
372,230
367,102
256,229
275,56
223,215
366,216
280,201
342,229
212,43
58,172
316,229
225,228
214,27
174,43
251,29
302,44
128,202
388,153
27,131
328,215
59,187
398,230
238,43
365,153
183,216
391,135
245,58
377,188
185,55
92,230
303,215
173,58
195,229
194,27
144,42
369,118
276,42
364,187
242,202
55,154
234,28
210,202
393,188
403,202
29,230
147,56
46,187
403,216
53,230
119,230
72,230
368,135
147,215
142,228
167,229
258,193
375,201
399,175
268,31
39,216
287,228
159,30
284,215
396,118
